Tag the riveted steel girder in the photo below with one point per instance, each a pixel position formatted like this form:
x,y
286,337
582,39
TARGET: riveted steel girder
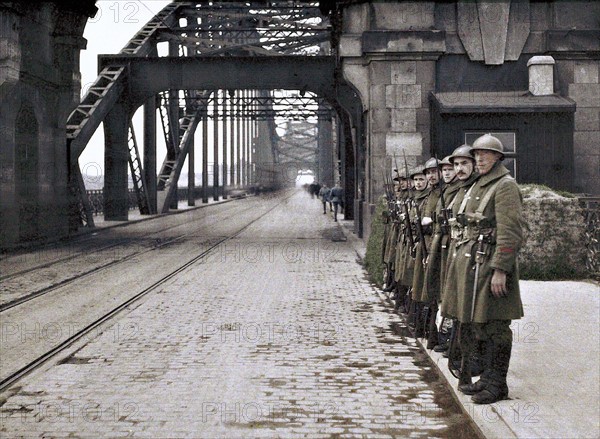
x,y
148,76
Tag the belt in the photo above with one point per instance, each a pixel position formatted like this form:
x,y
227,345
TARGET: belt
x,y
470,233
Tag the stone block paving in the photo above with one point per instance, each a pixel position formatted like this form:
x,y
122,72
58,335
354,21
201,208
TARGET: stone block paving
x,y
276,334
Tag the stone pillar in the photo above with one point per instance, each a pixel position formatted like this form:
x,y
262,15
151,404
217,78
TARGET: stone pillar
x,y
10,66
116,156
10,49
388,52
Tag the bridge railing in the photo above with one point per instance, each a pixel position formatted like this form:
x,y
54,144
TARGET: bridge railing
x,y
96,197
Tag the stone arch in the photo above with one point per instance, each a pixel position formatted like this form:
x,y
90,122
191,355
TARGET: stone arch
x,y
27,171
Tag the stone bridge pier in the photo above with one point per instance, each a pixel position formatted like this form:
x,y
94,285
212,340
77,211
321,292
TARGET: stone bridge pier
x,y
39,86
434,75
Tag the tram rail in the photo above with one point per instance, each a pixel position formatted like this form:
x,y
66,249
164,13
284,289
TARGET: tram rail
x,y
13,377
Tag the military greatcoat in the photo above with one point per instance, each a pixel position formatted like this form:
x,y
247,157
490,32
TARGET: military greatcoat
x,y
503,216
438,250
419,293
407,262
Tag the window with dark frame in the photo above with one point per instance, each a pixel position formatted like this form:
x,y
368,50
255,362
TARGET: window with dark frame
x,y
508,139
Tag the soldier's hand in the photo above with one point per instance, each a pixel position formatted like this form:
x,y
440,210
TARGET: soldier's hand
x,y
499,284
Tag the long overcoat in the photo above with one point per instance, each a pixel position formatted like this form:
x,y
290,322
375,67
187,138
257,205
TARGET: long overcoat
x,y
419,293
438,250
405,261
503,213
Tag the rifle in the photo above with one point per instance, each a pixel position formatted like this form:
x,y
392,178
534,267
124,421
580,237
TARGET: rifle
x,y
445,219
418,218
390,197
408,227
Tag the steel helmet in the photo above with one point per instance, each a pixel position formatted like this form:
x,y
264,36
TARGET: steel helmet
x,y
415,171
489,143
432,163
462,151
445,161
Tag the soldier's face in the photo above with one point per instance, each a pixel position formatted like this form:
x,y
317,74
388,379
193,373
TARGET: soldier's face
x,y
463,167
420,182
403,184
448,173
433,176
485,160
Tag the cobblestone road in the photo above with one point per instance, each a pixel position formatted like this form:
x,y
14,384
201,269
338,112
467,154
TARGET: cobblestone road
x,y
276,334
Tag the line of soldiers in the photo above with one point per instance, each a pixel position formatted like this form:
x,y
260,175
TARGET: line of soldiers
x,y
453,229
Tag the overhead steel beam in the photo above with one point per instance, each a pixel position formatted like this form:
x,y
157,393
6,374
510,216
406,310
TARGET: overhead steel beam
x,y
148,76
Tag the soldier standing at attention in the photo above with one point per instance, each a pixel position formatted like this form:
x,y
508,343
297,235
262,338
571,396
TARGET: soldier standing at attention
x,y
432,174
432,285
464,166
414,260
485,266
405,246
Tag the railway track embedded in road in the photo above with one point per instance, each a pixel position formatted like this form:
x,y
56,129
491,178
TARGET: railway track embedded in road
x,y
13,377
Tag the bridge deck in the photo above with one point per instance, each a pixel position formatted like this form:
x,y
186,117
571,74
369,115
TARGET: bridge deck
x,y
273,332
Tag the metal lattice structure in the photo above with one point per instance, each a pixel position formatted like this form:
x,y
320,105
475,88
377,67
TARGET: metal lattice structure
x,y
298,144
215,29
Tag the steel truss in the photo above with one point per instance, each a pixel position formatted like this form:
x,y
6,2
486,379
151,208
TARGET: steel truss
x,y
205,28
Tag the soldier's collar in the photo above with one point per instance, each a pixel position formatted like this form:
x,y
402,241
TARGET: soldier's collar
x,y
497,171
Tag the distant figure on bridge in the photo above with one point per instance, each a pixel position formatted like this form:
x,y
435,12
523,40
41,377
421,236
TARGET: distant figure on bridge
x,y
313,189
324,195
337,198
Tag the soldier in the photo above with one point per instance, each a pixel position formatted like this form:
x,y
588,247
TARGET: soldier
x,y
399,220
405,246
435,268
464,167
486,275
425,232
410,262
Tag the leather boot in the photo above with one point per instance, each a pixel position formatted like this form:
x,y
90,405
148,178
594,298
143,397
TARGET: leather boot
x,y
465,369
490,394
499,351
432,338
473,388
465,337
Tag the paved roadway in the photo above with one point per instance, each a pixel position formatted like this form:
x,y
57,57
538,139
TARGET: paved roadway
x,y
276,333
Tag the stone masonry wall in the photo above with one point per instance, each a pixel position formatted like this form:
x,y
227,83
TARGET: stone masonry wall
x,y
555,246
584,88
